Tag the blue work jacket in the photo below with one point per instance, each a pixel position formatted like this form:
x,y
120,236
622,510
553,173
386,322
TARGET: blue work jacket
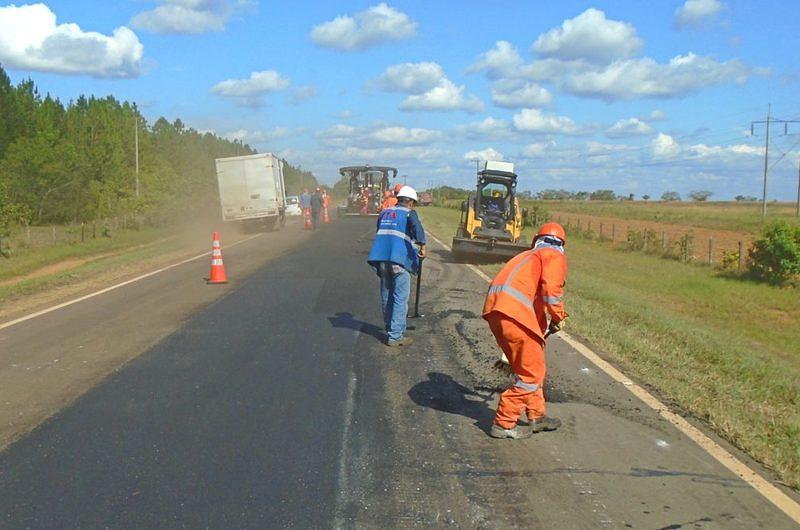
x,y
399,232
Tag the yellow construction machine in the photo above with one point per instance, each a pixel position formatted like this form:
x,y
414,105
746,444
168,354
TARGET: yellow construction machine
x,y
491,220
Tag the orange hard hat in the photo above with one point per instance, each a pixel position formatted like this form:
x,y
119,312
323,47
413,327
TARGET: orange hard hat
x,y
397,187
553,230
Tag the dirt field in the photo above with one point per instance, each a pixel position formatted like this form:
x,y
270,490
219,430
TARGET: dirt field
x,y
721,240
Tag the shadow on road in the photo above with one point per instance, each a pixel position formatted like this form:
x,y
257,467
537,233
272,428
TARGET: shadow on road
x,y
346,320
441,392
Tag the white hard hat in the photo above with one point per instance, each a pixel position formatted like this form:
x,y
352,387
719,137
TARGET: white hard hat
x,y
407,192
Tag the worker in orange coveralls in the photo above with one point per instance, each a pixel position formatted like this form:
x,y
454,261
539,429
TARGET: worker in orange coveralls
x,y
528,289
389,200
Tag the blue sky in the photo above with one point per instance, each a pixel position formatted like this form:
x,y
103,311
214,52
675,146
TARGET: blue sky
x,y
640,97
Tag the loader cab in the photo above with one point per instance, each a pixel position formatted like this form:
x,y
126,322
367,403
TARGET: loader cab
x,y
494,200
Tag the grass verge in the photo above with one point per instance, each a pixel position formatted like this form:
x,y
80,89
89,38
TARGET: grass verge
x,y
725,350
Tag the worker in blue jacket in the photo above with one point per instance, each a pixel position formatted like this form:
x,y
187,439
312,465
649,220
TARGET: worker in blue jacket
x,y
395,255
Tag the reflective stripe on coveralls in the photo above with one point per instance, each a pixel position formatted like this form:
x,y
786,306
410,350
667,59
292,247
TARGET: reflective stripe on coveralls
x,y
530,387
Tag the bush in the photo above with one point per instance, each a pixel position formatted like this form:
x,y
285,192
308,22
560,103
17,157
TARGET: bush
x,y
776,256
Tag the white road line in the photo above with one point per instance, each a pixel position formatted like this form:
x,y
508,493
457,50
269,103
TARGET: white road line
x,y
113,287
774,495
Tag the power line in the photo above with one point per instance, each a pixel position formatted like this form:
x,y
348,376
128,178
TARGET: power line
x,y
769,121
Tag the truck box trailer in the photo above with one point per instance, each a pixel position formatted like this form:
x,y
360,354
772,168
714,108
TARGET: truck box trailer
x,y
251,189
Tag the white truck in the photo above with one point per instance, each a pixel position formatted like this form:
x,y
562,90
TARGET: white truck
x,y
251,189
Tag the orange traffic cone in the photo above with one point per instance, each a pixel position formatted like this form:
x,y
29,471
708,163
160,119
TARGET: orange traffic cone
x,y
325,217
307,219
217,267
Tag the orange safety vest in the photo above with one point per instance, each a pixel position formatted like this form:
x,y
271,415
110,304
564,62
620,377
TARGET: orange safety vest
x,y
530,286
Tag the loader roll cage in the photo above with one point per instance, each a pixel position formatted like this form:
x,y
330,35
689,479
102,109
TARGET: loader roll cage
x,y
487,204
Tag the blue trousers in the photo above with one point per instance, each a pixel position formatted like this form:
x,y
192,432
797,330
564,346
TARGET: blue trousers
x,y
395,288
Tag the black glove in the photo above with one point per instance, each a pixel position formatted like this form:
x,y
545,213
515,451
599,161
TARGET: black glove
x,y
556,326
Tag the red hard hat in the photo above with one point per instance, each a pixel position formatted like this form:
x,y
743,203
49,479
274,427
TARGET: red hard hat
x,y
554,230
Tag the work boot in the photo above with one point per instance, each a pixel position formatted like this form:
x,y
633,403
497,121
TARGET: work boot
x,y
404,341
545,423
518,432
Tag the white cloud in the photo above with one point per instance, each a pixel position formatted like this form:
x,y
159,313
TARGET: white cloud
x,y
402,135
515,94
644,77
446,96
664,146
188,17
484,154
695,13
703,150
537,149
373,26
535,121
346,114
428,88
589,36
251,91
489,127
30,39
302,94
502,61
656,115
382,154
628,127
411,78
599,148
243,135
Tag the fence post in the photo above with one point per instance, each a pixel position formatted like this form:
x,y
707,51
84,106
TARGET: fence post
x,y
663,241
589,226
613,232
83,231
53,228
601,231
741,256
710,250
579,224
645,238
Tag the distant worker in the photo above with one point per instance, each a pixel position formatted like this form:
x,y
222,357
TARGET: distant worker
x,y
326,205
389,200
316,208
305,205
395,255
525,291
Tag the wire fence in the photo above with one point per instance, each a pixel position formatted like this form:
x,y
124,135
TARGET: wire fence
x,y
717,248
38,237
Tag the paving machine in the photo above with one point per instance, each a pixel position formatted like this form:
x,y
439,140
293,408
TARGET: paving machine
x,y
367,185
491,221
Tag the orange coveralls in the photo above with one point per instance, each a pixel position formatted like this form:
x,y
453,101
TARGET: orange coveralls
x,y
529,287
389,200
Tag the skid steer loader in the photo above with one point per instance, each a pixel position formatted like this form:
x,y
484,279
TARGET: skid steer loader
x,y
490,228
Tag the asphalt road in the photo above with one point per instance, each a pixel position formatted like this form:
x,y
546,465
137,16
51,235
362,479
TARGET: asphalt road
x,y
276,405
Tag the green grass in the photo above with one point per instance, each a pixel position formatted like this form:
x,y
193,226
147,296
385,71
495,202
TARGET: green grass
x,y
130,254
26,260
733,216
726,350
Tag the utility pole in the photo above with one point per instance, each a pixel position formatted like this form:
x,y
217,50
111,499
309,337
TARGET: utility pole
x,y
769,120
136,141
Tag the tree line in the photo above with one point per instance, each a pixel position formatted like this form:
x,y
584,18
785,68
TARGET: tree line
x,y
76,162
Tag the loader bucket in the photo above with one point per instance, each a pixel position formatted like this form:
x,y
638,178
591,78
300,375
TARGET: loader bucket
x,y
485,250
